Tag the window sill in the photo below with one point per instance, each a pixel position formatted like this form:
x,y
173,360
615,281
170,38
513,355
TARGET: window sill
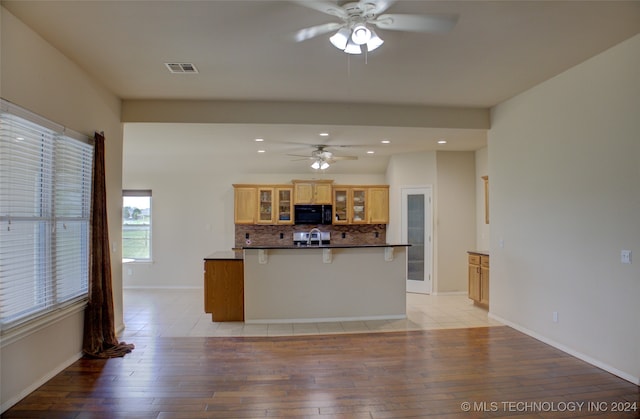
x,y
21,331
137,261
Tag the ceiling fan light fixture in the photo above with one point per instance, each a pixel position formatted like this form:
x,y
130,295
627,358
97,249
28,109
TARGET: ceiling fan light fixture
x,y
353,48
374,42
322,165
319,164
341,38
361,34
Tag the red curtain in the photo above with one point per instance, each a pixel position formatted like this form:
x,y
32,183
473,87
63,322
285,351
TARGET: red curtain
x,y
100,339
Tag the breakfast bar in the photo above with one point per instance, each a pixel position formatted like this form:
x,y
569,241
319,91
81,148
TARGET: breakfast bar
x,y
324,283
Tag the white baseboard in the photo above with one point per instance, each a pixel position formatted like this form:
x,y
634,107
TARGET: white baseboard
x,y
327,319
159,288
570,351
6,405
450,293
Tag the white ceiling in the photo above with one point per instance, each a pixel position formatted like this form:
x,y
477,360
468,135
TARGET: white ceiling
x,y
244,51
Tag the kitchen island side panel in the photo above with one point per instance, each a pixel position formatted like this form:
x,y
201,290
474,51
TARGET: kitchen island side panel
x,y
296,285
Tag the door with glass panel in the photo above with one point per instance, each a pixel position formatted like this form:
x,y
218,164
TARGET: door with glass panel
x,y
416,231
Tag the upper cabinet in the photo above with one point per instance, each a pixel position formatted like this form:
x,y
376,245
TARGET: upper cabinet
x,y
274,204
361,204
359,207
245,204
284,205
263,204
312,191
378,205
341,204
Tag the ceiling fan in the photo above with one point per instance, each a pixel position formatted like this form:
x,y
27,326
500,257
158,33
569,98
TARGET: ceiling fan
x,y
322,158
355,33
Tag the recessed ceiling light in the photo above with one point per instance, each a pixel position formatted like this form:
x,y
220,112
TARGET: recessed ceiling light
x,y
259,140
442,141
324,134
385,142
370,152
262,151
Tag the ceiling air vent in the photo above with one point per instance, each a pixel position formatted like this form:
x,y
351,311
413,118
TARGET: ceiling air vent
x,y
181,68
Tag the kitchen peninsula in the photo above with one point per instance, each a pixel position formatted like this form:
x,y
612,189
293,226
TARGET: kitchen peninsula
x,y
324,283
297,284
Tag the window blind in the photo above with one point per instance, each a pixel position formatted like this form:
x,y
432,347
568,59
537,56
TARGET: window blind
x,y
45,202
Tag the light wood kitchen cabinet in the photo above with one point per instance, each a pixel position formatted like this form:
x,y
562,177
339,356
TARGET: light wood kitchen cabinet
x,y
479,278
350,205
274,204
224,289
378,205
284,205
341,203
263,204
356,204
359,207
245,204
312,192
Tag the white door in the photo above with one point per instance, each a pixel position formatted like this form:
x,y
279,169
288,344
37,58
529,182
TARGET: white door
x,y
416,231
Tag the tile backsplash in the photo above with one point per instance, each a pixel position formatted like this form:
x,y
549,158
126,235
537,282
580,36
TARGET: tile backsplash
x,y
274,235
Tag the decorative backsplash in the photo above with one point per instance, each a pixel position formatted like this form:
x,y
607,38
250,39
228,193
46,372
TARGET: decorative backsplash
x,y
275,235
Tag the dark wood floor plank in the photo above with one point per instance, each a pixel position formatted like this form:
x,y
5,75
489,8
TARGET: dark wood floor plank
x,y
415,374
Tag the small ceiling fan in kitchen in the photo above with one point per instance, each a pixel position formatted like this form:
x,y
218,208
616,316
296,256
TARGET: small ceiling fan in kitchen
x,y
355,34
322,158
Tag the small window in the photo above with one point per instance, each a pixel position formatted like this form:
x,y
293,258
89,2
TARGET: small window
x,y
136,225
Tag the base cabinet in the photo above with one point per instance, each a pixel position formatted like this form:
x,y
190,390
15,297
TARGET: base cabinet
x,y
479,278
224,290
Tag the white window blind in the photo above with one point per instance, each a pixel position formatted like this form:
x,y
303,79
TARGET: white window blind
x,y
45,202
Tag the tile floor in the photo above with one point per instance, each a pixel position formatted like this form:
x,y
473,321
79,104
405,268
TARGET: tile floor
x,y
180,313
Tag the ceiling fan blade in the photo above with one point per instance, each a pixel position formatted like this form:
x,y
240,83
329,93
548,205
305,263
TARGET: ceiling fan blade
x,y
376,6
416,23
301,156
344,158
324,7
313,31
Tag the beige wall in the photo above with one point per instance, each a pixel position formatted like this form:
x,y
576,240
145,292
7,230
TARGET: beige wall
x,y
192,209
452,178
455,222
564,167
37,77
482,228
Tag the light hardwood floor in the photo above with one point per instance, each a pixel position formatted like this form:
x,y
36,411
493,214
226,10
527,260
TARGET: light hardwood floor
x,y
461,372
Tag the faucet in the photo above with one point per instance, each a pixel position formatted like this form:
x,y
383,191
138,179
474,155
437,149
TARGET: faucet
x,y
314,230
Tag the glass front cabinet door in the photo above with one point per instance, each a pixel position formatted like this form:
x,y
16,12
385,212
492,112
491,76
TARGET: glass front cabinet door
x,y
340,206
284,206
358,206
265,205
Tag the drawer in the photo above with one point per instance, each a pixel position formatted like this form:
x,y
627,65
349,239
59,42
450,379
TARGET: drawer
x,y
484,261
474,259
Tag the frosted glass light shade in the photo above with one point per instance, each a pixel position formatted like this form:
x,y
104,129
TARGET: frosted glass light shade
x,y
340,38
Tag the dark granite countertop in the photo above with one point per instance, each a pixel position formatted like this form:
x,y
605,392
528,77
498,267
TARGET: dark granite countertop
x,y
226,255
326,246
478,252
237,254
